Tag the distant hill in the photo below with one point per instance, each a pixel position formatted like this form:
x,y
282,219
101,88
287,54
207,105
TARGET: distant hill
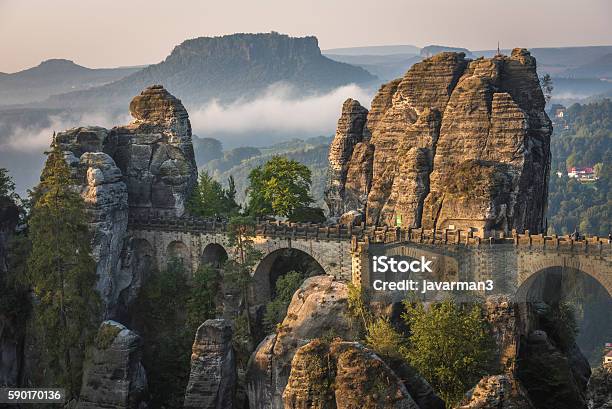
x,y
228,68
374,50
385,67
432,50
599,68
239,162
53,77
558,60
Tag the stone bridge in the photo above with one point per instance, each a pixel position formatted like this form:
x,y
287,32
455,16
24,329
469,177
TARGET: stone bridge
x,y
346,251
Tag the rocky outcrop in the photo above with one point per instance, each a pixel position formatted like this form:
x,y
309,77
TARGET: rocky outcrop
x,y
550,374
113,377
145,166
348,134
318,308
497,392
600,388
455,143
212,381
539,363
155,152
343,375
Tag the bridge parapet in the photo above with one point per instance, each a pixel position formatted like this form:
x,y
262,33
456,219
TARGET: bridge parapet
x,y
567,243
374,234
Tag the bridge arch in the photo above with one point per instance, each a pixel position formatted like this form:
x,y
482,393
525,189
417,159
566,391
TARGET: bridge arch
x,y
214,254
278,263
179,250
589,298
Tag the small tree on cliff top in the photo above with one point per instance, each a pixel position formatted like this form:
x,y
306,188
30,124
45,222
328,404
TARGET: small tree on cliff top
x,y
62,274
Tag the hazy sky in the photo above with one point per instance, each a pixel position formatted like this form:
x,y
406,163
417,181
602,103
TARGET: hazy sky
x,y
106,33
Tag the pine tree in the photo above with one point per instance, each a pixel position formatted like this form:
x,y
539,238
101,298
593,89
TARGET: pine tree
x,y
210,199
62,274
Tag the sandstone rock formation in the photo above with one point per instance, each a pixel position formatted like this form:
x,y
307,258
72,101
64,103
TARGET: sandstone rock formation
x,y
455,143
348,134
212,381
343,375
318,308
145,166
497,392
114,376
600,388
539,367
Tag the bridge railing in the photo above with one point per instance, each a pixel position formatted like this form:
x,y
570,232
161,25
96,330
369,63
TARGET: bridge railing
x,y
371,234
592,244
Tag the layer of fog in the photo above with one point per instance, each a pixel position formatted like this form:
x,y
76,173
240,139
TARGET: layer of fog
x,y
23,146
279,114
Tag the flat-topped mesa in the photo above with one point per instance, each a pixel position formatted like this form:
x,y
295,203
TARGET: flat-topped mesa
x,y
455,143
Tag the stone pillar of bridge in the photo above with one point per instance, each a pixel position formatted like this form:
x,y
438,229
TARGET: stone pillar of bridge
x,y
360,263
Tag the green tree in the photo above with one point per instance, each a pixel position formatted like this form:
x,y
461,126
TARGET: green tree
x,y
159,313
279,187
208,198
358,306
15,303
308,215
201,303
450,345
546,84
276,309
232,207
7,186
62,274
385,340
237,270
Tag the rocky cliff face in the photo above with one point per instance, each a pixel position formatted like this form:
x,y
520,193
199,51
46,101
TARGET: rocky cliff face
x,y
145,166
455,143
113,376
343,375
318,308
212,381
538,367
600,388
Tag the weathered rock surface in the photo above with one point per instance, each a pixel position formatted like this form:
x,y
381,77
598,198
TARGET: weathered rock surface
x,y
343,375
212,381
600,388
497,392
537,364
348,134
147,165
114,376
454,143
318,308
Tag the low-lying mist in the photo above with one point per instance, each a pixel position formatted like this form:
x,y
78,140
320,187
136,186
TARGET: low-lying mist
x,y
277,115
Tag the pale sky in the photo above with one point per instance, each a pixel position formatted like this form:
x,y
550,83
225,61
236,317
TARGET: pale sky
x,y
109,33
